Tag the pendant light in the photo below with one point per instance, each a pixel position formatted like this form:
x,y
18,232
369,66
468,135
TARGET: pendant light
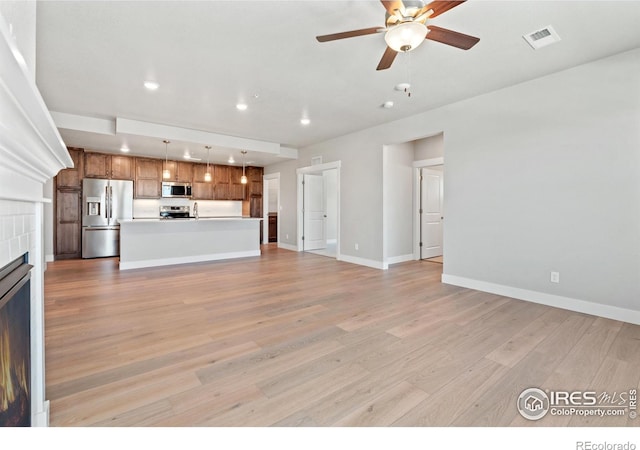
x,y
207,176
243,179
165,173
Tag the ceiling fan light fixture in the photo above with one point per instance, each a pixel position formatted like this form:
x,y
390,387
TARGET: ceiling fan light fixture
x,y
406,36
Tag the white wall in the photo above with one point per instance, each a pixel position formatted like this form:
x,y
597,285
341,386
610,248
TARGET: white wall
x,y
397,200
273,195
20,17
429,147
360,202
331,202
540,176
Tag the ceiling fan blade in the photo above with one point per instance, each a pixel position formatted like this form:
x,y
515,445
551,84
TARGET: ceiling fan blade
x,y
387,59
453,38
349,34
391,7
439,7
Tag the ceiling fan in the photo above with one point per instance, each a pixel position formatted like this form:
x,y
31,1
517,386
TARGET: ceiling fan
x,y
406,28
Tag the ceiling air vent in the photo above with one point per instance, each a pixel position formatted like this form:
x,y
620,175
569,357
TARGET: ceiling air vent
x,y
542,38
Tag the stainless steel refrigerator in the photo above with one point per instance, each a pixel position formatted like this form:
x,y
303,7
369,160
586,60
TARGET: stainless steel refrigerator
x,y
104,203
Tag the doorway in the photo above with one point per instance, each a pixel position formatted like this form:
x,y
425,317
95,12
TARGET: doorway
x,y
319,210
429,212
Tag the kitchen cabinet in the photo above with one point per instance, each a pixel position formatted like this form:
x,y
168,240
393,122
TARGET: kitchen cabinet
x,y
68,224
148,178
72,178
179,171
237,189
121,167
222,182
227,183
254,181
273,227
67,207
200,189
100,165
254,190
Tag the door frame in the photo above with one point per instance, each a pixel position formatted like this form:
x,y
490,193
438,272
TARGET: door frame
x,y
316,170
417,165
265,206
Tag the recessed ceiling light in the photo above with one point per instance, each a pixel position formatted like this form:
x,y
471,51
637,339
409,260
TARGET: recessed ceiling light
x,y
124,149
241,106
231,160
151,85
388,104
402,87
305,121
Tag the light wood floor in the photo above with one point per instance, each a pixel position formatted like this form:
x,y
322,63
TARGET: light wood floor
x,y
292,339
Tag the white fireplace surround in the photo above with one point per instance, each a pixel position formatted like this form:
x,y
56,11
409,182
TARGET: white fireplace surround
x,y
31,153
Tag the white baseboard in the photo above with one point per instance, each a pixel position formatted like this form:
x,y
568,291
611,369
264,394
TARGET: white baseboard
x,y
185,260
49,258
363,262
41,418
293,248
400,259
557,301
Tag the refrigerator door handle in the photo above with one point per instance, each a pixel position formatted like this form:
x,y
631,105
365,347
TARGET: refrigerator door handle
x,y
110,203
107,201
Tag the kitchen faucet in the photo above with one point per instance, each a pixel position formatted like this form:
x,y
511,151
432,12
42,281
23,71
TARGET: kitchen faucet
x,y
195,210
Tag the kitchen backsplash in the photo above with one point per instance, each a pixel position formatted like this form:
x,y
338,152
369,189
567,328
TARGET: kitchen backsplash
x,y
150,209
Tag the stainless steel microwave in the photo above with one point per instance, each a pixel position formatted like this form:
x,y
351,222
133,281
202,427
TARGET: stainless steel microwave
x,y
176,189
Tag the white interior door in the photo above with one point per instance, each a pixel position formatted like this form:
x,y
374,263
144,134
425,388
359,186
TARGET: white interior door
x,y
432,214
315,235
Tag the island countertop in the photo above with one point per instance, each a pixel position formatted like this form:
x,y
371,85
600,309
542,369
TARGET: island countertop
x,y
161,242
187,219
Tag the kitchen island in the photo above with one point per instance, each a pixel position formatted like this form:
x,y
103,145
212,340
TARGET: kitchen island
x,y
162,242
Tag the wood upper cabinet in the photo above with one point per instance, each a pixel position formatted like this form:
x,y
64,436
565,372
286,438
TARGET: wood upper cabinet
x,y
237,189
222,182
100,165
148,178
121,167
72,178
200,189
254,181
179,171
254,190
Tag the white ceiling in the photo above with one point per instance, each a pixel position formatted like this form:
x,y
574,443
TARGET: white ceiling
x,y
93,57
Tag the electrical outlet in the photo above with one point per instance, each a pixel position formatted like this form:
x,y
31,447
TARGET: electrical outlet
x,y
357,248
287,236
555,277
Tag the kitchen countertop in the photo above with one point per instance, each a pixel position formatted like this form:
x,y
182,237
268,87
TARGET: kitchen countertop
x,y
190,219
